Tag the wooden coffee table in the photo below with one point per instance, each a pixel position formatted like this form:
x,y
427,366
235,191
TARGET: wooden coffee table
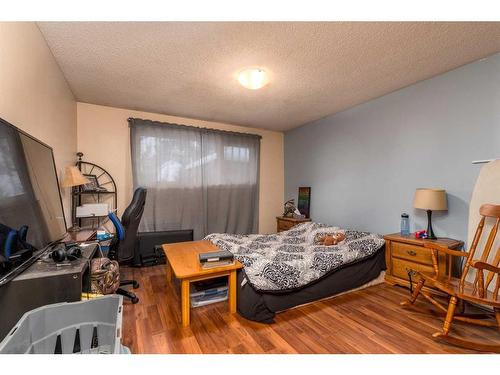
x,y
183,262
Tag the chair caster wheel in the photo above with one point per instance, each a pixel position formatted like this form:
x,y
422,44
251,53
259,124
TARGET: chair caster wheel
x,y
135,300
135,285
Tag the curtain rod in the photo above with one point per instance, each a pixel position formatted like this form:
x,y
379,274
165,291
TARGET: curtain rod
x,y
211,130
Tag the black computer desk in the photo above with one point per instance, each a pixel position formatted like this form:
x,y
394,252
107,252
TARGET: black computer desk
x,y
43,283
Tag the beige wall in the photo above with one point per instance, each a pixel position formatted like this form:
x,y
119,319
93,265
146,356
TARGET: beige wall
x,y
36,98
34,94
103,137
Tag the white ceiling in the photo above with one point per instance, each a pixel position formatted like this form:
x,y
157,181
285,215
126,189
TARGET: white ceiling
x,y
317,68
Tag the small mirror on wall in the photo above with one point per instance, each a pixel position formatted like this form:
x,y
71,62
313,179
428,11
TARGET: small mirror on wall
x,y
304,202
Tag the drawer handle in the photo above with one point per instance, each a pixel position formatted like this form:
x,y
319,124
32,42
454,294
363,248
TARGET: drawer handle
x,y
411,252
411,272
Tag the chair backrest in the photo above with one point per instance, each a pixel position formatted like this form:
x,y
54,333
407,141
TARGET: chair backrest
x,y
485,191
130,222
476,267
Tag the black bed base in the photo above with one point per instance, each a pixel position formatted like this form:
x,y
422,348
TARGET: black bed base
x,y
262,307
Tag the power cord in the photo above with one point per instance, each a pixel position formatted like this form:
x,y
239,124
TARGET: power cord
x,y
410,272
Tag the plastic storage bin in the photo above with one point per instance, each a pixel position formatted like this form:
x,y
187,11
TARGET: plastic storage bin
x,y
87,327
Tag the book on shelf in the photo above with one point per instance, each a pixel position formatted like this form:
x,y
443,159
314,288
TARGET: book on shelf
x,y
208,292
206,300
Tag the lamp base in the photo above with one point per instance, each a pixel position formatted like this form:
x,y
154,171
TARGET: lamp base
x,y
430,232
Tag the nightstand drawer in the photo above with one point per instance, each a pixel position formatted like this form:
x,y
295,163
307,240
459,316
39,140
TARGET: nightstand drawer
x,y
405,253
285,225
412,253
401,267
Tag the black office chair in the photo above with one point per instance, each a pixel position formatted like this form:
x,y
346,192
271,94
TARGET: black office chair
x,y
123,245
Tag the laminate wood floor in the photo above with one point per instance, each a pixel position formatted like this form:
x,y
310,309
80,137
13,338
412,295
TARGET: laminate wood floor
x,y
365,321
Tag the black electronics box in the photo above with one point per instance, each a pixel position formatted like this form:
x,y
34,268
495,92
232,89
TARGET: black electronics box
x,y
216,256
149,250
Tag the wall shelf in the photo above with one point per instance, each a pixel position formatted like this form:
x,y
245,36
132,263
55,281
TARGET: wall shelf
x,y
81,196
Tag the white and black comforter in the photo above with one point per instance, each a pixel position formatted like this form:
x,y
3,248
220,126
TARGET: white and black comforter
x,y
291,259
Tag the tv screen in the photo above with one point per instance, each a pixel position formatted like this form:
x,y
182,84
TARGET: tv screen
x,y
29,189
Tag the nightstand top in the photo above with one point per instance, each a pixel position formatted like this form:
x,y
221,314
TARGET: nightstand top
x,y
410,239
292,219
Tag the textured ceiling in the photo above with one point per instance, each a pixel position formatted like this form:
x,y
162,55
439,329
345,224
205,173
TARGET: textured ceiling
x,y
316,68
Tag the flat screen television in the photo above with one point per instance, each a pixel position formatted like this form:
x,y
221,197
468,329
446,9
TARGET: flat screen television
x,y
31,210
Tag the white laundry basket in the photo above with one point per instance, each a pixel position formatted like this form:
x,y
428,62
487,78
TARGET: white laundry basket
x,y
87,327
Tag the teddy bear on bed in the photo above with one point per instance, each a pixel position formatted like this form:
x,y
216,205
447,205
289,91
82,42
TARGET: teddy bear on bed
x,y
331,239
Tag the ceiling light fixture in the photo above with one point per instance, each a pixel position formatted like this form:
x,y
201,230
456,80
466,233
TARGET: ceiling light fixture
x,y
253,78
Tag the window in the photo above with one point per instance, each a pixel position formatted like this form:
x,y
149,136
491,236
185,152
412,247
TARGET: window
x,y
235,153
196,178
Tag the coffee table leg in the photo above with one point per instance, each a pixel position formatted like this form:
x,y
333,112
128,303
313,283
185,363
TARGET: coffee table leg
x,y
232,292
185,302
169,272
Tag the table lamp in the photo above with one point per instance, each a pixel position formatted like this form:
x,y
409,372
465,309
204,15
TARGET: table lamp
x,y
73,177
430,200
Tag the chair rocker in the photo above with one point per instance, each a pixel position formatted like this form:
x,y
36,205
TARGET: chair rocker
x,y
459,290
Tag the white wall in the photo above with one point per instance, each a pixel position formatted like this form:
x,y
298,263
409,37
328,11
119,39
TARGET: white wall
x,y
34,94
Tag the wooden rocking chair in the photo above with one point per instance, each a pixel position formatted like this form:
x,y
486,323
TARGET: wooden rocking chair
x,y
461,290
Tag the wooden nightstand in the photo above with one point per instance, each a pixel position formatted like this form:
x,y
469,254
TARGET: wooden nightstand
x,y
406,254
285,223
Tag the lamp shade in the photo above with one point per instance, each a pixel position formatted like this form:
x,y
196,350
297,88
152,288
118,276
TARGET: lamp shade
x,y
73,177
430,199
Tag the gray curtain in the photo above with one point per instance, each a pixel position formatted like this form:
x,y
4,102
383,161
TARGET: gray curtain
x,y
201,179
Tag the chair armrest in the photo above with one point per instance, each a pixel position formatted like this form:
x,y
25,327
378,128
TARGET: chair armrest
x,y
444,249
485,266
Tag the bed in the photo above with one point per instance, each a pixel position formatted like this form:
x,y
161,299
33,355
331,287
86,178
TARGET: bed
x,y
292,268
